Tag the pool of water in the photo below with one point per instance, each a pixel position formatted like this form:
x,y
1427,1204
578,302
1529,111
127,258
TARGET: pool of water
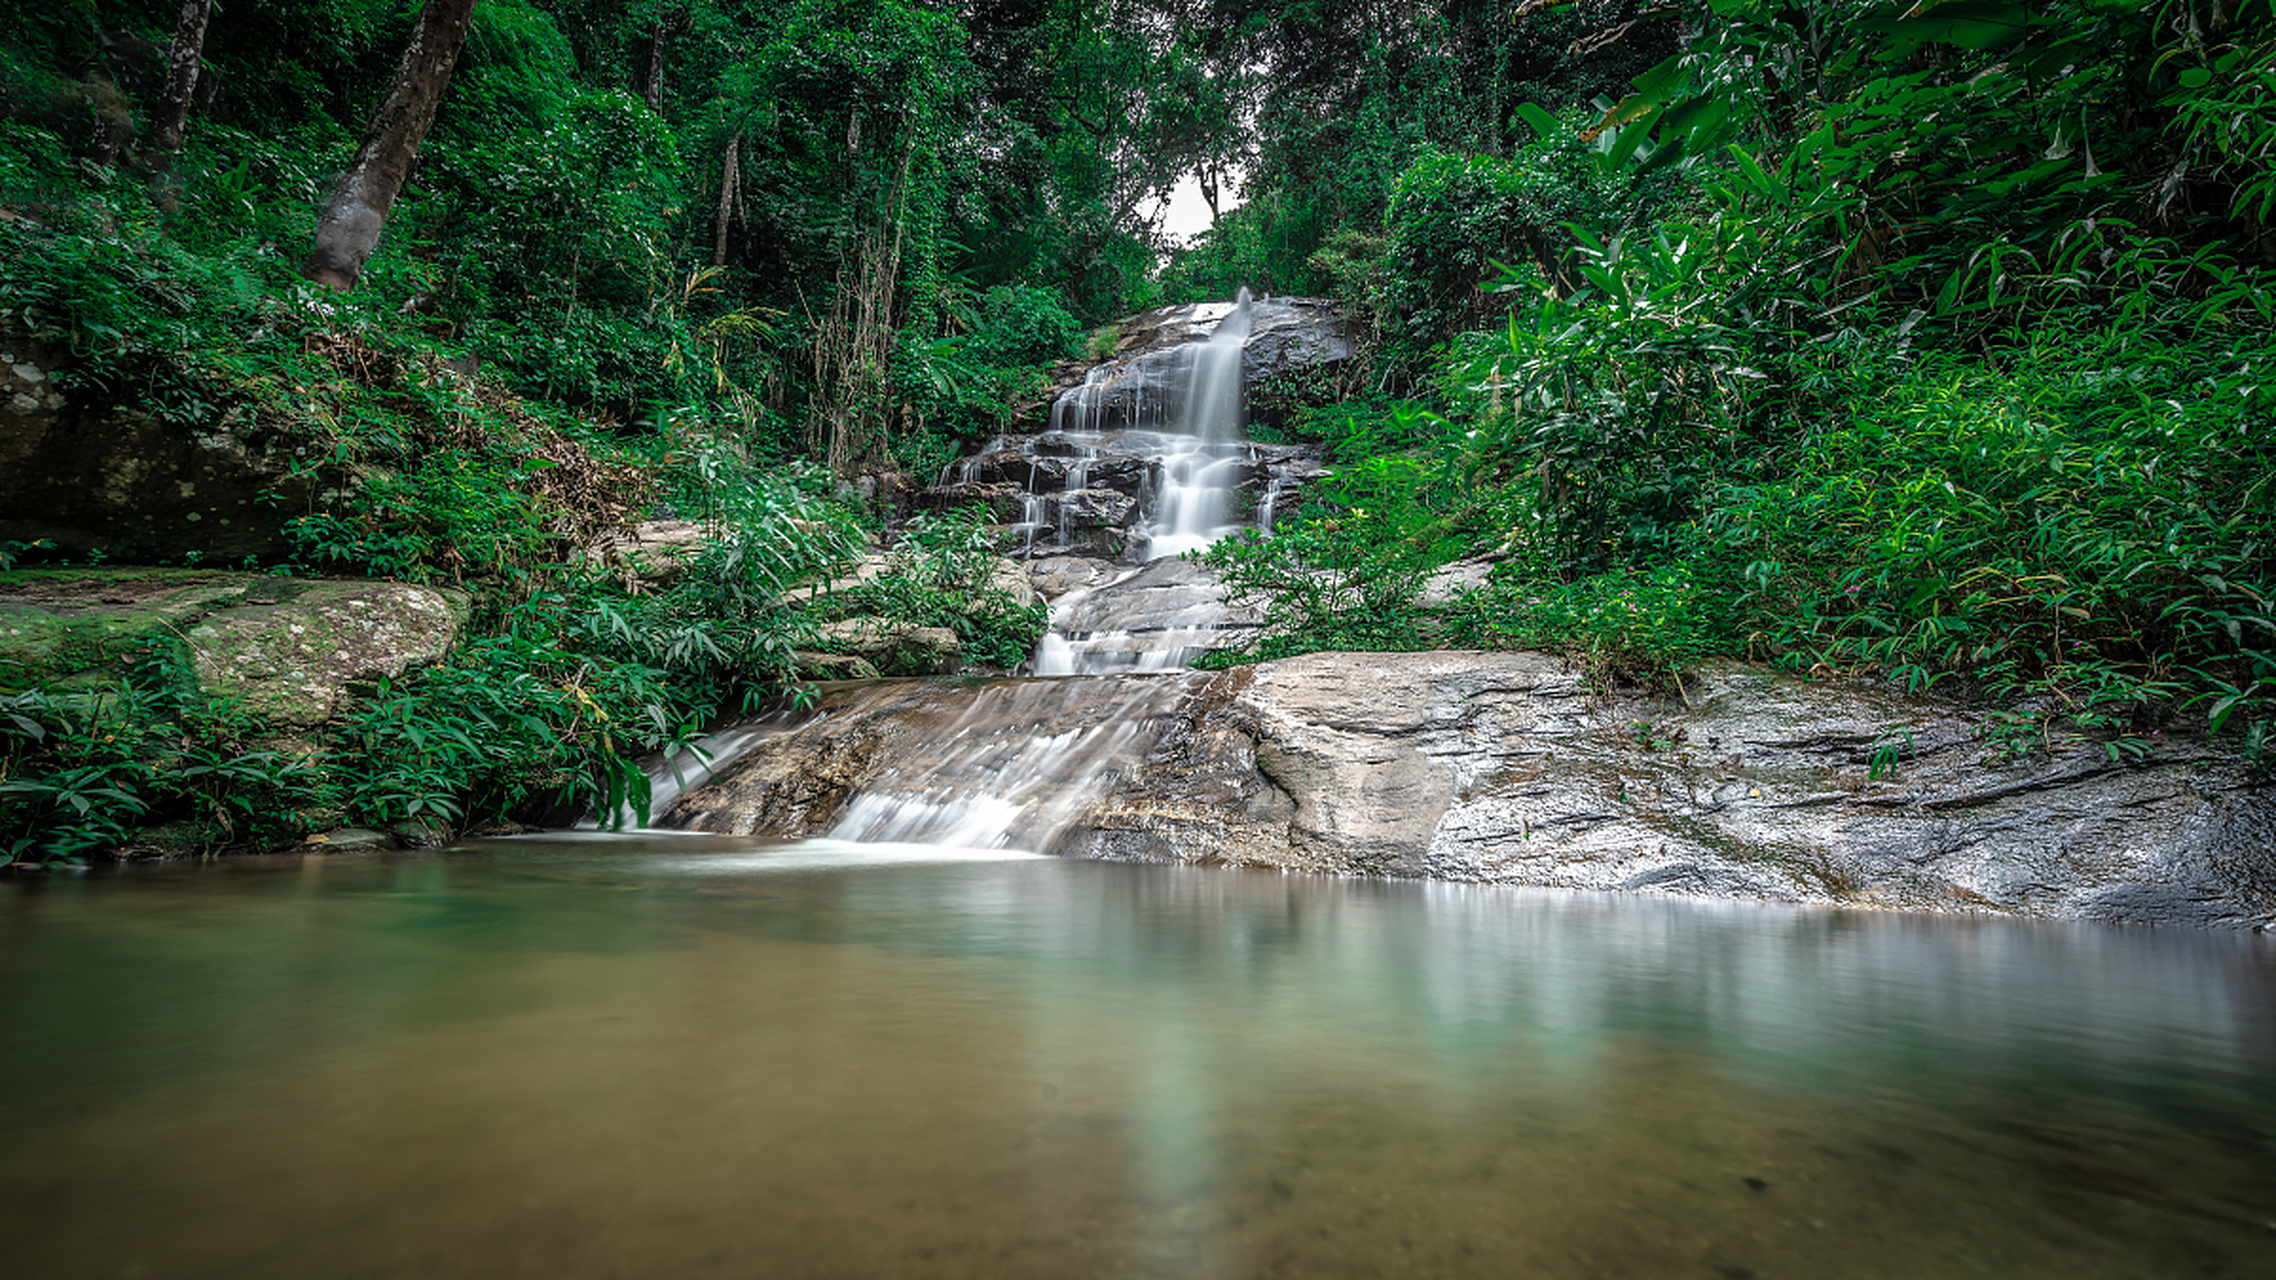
x,y
701,1057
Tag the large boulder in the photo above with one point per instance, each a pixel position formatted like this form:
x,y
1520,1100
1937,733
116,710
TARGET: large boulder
x,y
1507,768
1055,576
833,666
288,650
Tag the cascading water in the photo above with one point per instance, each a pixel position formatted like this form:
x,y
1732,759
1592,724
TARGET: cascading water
x,y
1157,616
1194,483
1140,465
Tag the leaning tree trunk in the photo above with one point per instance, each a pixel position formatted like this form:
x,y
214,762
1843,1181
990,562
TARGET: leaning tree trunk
x,y
350,228
181,80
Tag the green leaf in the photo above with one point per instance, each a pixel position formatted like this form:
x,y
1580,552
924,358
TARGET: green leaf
x,y
1762,182
1542,122
1630,138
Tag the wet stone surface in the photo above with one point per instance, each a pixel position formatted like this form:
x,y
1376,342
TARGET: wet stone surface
x,y
1504,768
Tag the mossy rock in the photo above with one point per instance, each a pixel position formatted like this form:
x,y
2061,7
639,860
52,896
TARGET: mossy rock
x,y
895,648
81,628
285,649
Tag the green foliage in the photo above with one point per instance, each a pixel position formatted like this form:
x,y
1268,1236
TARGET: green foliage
x,y
727,619
1906,386
1453,217
1623,624
1024,326
550,704
1345,572
82,771
943,574
2083,531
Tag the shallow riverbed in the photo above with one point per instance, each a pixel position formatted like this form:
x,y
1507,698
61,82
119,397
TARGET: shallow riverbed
x,y
701,1057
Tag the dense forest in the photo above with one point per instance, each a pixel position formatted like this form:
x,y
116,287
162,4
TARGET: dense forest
x,y
1928,342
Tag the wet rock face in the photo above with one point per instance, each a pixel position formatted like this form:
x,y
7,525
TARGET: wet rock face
x,y
1097,766
1126,426
1502,768
1086,493
127,482
1158,616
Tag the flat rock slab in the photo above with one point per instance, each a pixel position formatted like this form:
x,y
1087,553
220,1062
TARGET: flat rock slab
x,y
1505,768
287,649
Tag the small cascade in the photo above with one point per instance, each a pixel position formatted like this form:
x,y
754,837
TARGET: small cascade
x,y
995,780
1159,616
1197,455
1194,484
1179,416
1005,765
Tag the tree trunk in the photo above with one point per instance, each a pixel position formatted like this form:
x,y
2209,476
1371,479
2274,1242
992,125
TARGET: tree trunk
x,y
181,80
729,178
349,230
652,76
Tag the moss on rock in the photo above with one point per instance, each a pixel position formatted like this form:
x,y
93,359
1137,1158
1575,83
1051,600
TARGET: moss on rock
x,y
287,649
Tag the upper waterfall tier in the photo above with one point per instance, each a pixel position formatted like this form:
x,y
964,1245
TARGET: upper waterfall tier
x,y
1147,458
1133,386
1145,455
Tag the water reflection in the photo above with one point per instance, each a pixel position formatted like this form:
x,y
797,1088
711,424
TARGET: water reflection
x,y
707,1057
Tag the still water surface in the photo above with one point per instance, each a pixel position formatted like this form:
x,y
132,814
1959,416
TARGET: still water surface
x,y
711,1058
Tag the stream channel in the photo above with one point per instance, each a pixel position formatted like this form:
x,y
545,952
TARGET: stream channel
x,y
923,1052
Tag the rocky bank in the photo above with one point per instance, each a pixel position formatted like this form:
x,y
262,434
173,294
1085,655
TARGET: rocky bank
x,y
1505,768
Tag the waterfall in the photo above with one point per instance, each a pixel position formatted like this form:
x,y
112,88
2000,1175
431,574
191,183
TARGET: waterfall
x,y
1207,454
1186,425
1139,466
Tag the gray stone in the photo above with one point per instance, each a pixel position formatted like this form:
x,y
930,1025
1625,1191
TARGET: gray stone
x,y
291,657
896,648
868,569
833,666
1055,576
133,485
652,551
1003,499
1442,588
349,840
1161,595
1505,768
1009,580
1092,509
